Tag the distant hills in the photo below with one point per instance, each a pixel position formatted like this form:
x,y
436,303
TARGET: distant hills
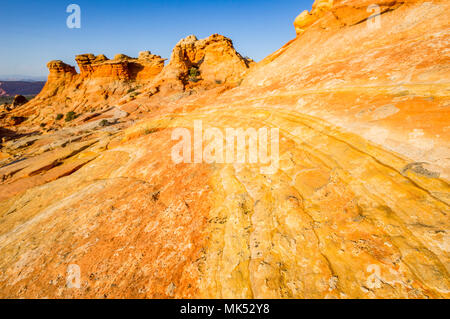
x,y
24,78
12,88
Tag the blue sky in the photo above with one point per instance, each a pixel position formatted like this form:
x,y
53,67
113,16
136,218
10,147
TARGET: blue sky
x,y
35,32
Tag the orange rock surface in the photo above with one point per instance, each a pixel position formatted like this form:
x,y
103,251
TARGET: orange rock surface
x,y
358,206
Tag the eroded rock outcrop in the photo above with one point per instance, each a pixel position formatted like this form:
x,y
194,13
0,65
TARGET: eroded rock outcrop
x,y
18,101
327,14
306,18
207,63
60,70
122,67
102,82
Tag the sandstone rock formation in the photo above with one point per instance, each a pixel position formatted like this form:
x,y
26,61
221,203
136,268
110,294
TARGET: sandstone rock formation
x,y
100,84
357,208
19,100
103,82
121,68
213,60
326,14
306,18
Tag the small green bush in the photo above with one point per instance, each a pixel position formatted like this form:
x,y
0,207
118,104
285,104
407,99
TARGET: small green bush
x,y
104,123
193,74
150,131
59,116
70,116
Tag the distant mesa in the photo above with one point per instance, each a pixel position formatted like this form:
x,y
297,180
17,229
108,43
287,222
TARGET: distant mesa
x,y
12,88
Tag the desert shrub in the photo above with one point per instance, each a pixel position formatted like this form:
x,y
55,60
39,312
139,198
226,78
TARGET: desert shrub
x,y
150,131
42,125
6,99
401,93
104,123
193,74
218,82
18,119
59,116
70,116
